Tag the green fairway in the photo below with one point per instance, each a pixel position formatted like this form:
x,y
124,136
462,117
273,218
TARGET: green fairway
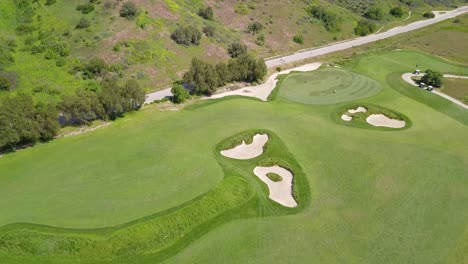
x,y
328,86
153,186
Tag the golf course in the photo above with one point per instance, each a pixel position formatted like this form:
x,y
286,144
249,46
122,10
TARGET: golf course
x,y
155,186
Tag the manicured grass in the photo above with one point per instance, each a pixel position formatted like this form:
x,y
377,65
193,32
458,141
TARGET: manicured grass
x,y
365,196
327,86
457,88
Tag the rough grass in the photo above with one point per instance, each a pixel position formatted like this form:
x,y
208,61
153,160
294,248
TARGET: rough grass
x,y
457,88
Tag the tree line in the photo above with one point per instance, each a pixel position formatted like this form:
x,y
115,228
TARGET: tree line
x,y
23,122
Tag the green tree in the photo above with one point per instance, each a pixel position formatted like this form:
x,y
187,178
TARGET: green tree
x,y
329,19
202,77
364,28
5,84
236,49
428,15
396,11
209,31
129,10
85,8
117,100
82,107
375,13
206,13
180,94
95,67
255,27
433,78
186,35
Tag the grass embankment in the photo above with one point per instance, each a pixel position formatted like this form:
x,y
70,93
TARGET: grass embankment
x,y
359,119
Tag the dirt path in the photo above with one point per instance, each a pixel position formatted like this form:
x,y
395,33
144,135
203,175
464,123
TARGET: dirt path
x,y
302,55
407,78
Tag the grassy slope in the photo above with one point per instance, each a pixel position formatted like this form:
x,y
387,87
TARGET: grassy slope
x,y
403,204
152,56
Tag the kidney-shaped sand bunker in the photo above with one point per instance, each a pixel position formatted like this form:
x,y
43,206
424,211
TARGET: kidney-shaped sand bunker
x,y
247,151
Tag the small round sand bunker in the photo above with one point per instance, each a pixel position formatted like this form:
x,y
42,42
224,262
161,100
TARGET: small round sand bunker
x,y
384,121
247,151
346,117
280,191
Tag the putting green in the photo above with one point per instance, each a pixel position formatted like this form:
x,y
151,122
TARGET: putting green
x,y
328,86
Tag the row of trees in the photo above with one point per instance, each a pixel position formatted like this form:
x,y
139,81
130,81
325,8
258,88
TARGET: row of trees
x,y
205,78
22,122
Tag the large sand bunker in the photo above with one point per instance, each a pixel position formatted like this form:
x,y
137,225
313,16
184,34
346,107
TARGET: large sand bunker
x,y
247,151
383,121
281,191
346,117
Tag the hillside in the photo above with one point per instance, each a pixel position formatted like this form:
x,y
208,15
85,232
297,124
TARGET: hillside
x,y
47,43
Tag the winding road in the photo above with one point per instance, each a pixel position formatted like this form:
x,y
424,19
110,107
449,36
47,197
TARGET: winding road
x,y
334,47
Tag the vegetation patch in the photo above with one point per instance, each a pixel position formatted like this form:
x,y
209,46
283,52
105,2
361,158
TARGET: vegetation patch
x,y
274,177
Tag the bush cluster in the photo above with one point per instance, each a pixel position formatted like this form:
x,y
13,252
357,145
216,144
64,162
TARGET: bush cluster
x,y
433,78
129,10
255,27
428,15
329,19
85,8
187,36
205,78
236,49
206,13
364,28
375,13
396,11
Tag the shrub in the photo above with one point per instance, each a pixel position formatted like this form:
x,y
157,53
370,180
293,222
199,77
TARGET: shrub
x,y
83,23
85,8
186,35
254,27
95,67
209,31
5,84
299,39
180,94
236,49
396,11
433,78
80,108
428,15
364,28
206,13
52,47
117,99
375,13
241,9
260,41
129,10
329,19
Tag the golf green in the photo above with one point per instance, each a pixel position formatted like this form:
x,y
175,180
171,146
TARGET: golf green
x,y
328,85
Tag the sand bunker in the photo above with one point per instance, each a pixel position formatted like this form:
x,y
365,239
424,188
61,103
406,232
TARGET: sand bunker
x,y
281,191
383,121
360,109
346,117
247,151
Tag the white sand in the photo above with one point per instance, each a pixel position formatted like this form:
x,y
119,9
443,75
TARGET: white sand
x,y
262,91
346,117
280,192
247,151
383,121
360,109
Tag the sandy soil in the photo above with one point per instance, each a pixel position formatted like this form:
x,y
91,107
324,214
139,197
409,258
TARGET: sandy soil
x,y
360,109
262,91
383,121
346,117
247,151
280,192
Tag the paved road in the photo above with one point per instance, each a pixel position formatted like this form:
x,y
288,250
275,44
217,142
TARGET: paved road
x,y
440,16
365,40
